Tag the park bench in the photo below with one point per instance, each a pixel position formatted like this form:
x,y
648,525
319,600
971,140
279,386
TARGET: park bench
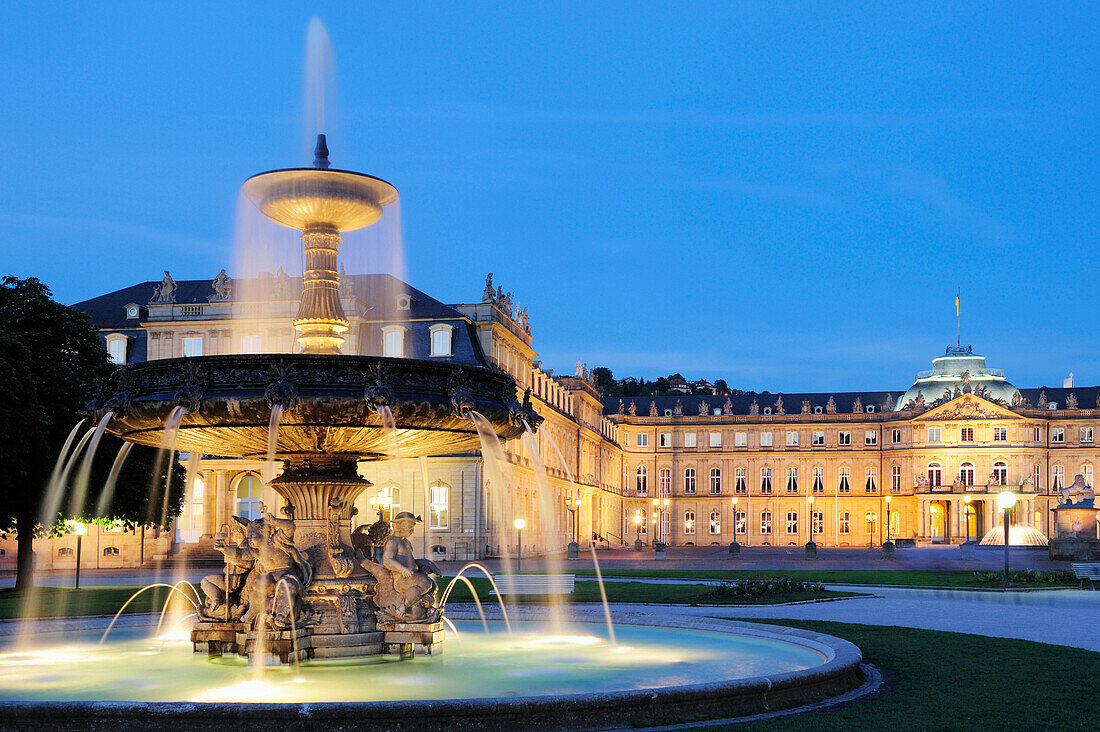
x,y
1089,571
534,584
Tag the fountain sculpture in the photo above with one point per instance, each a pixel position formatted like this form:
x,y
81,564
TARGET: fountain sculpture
x,y
296,586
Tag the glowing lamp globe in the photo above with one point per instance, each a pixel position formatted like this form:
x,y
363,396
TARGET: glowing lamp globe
x,y
1006,500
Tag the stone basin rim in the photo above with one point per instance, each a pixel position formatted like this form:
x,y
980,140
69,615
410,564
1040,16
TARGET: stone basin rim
x,y
595,710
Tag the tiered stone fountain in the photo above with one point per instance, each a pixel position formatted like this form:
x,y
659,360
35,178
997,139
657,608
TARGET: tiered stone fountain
x,y
299,586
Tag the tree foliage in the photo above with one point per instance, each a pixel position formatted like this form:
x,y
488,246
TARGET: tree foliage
x,y
51,359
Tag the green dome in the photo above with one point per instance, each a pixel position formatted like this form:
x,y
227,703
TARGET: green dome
x,y
948,373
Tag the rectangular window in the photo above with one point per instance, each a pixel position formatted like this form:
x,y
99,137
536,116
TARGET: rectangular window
x,y
817,522
895,479
715,481
393,342
689,439
689,481
1000,434
792,523
741,520
871,522
845,522
715,523
439,506
192,345
643,440
1057,434
766,481
966,434
844,485
1036,435
1038,478
1059,481
665,440
792,481
766,522
819,439
1086,434
715,439
870,437
765,439
845,438
871,485
251,344
441,340
934,434
116,349
895,437
819,481
792,439
740,480
689,522
741,439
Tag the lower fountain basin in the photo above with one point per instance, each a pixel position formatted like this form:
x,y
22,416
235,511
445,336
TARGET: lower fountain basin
x,y
331,404
682,669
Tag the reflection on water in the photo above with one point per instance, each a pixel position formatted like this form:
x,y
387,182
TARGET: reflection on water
x,y
530,662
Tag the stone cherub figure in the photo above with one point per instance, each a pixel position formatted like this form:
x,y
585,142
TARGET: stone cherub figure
x,y
1078,494
406,591
281,572
227,592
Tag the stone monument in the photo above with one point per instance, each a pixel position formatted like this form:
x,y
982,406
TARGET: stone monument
x,y
1075,524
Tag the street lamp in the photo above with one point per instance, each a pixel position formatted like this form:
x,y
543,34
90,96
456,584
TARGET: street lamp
x,y
80,530
966,511
1005,501
572,505
519,524
811,546
735,548
638,529
658,546
888,545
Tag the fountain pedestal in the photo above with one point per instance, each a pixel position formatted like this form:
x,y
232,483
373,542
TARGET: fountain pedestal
x,y
1075,534
215,638
412,639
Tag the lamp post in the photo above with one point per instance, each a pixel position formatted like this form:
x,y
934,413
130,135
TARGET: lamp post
x,y
638,529
811,547
659,547
888,545
1005,501
519,524
967,548
80,530
735,548
572,505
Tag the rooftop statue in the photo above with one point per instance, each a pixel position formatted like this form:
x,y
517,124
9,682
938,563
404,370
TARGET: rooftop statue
x,y
165,292
704,409
830,406
1071,401
222,287
727,408
489,295
805,406
653,409
779,405
633,408
406,592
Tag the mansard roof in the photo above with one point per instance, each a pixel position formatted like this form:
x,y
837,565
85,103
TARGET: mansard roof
x,y
792,402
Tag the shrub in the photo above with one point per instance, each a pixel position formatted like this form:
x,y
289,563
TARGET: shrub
x,y
1026,576
763,587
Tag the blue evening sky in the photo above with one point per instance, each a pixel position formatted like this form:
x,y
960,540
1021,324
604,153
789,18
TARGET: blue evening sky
x,y
785,195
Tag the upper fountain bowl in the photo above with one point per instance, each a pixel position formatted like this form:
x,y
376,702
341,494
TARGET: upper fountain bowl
x,y
306,198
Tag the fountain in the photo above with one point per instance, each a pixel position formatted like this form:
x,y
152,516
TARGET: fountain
x,y
296,586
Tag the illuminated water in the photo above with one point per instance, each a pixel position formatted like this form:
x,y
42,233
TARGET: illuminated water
x,y
475,664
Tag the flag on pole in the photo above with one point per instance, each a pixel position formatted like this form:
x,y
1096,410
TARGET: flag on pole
x,y
959,292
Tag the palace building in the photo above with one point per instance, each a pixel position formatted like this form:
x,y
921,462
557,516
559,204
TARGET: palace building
x,y
760,469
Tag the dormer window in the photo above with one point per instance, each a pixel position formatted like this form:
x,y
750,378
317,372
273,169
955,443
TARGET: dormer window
x,y
767,410
817,410
116,348
403,302
393,341
442,336
132,311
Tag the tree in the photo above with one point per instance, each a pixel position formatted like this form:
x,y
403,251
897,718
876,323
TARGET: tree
x,y
52,357
721,387
604,378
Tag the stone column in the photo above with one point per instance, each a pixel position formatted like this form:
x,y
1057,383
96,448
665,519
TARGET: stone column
x,y
209,503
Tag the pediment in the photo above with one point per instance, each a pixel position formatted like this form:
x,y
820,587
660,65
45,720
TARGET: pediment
x,y
968,406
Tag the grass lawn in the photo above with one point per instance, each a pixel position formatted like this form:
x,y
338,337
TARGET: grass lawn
x,y
56,601
642,592
953,681
903,577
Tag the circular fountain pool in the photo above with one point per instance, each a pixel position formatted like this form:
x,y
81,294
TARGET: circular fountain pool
x,y
531,677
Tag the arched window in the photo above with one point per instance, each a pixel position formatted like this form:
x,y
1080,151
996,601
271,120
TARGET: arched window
x,y
689,522
642,480
715,523
966,473
1059,478
766,482
792,523
110,551
766,522
792,480
817,522
715,481
740,521
250,493
439,505
871,485
871,520
664,481
845,523
935,475
844,484
65,551
393,341
819,481
643,525
441,340
689,481
1000,473
388,501
740,480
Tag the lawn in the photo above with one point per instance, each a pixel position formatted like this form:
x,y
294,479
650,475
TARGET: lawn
x,y
901,577
953,681
56,602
